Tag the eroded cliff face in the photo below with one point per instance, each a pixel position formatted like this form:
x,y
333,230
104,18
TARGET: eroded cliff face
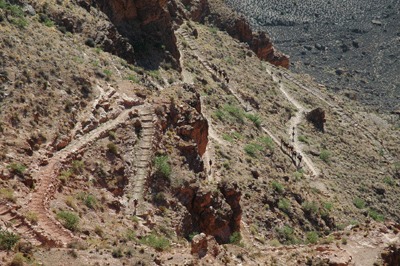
x,y
146,24
238,27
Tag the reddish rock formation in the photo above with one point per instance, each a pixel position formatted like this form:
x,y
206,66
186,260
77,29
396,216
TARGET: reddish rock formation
x,y
232,195
143,22
202,244
238,27
317,117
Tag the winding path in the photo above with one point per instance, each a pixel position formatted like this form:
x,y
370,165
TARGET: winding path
x,y
231,89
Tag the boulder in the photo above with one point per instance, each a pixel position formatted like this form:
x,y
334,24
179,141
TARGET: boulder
x,y
317,117
199,245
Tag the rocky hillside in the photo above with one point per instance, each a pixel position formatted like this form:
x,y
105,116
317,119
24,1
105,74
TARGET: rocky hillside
x,y
350,46
157,134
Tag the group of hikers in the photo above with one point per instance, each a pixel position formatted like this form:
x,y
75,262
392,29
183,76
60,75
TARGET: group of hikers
x,y
286,147
220,72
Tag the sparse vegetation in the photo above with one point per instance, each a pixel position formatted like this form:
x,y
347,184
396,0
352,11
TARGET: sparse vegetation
x,y
360,204
7,239
156,241
236,238
69,220
312,237
112,148
17,169
161,165
278,187
325,155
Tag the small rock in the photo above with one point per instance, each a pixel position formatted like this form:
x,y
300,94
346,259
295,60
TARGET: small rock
x,y
199,245
376,22
29,10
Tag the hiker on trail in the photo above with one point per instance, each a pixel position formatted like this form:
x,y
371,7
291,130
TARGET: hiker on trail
x,y
299,157
294,156
135,202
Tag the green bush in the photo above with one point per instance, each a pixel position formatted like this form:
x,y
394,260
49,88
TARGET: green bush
x,y
227,137
77,167
324,156
162,166
255,119
377,217
18,260
17,169
327,205
277,186
21,22
360,204
7,239
112,148
160,243
389,181
287,235
310,207
70,220
107,72
312,237
302,138
284,204
268,142
8,194
235,112
111,134
235,239
212,30
251,150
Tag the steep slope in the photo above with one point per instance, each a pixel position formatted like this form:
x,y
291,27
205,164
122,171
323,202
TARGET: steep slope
x,y
199,146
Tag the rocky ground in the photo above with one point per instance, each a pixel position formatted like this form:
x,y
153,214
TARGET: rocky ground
x,y
108,160
350,46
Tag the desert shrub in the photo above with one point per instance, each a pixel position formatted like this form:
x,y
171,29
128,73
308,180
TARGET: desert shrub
x,y
112,148
70,220
7,239
117,253
17,169
160,243
251,150
21,22
377,217
155,74
324,156
389,181
69,200
111,134
77,167
48,23
107,72
228,137
327,205
212,30
360,204
278,187
255,119
310,206
89,200
344,241
286,234
18,260
274,242
284,204
302,138
220,115
312,237
268,142
130,234
253,228
162,166
8,194
64,176
32,217
133,78
235,239
235,112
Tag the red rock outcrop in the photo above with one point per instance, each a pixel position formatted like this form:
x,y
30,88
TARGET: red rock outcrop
x,y
143,22
238,27
317,117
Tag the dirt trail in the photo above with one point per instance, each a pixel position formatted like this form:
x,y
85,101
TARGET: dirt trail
x,y
142,164
346,116
293,124
229,88
57,235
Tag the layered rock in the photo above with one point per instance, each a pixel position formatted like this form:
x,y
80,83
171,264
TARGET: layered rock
x,y
238,27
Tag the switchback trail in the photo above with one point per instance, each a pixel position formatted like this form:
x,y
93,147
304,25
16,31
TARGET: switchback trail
x,y
56,234
231,89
